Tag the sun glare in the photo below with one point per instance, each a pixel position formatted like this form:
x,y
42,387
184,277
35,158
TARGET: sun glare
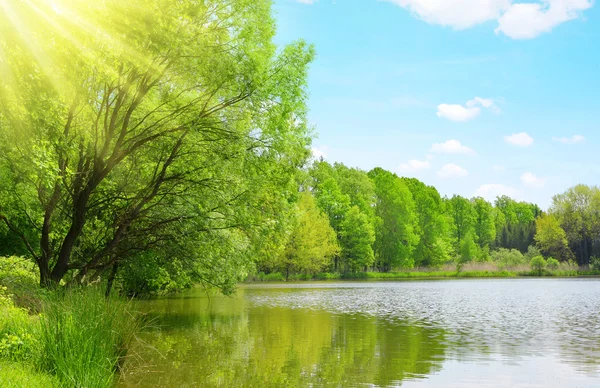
x,y
56,34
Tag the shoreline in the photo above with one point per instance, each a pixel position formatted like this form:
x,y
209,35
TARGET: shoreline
x,y
417,275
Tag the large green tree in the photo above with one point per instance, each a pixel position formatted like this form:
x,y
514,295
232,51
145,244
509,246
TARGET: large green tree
x,y
434,246
312,242
551,238
357,238
485,225
395,235
461,213
578,212
129,125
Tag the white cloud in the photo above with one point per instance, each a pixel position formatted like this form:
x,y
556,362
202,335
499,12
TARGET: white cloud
x,y
306,1
413,166
519,139
472,108
499,168
529,20
492,190
530,180
452,171
451,147
455,112
459,14
569,140
517,20
318,153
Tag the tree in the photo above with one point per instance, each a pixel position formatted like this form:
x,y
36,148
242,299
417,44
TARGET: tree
x,y
462,220
515,223
538,264
312,242
133,125
484,225
551,238
468,251
357,238
395,237
578,213
432,227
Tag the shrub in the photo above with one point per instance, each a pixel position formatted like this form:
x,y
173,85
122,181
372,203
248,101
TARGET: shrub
x,y
17,337
538,264
552,264
595,263
508,258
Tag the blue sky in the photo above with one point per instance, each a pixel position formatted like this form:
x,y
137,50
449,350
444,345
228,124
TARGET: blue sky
x,y
475,97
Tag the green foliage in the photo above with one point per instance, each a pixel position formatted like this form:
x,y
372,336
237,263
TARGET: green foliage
x,y
515,223
508,258
432,226
551,238
84,337
595,263
462,220
356,238
17,336
19,375
577,213
538,264
312,242
151,275
395,235
532,251
468,251
552,263
484,224
119,135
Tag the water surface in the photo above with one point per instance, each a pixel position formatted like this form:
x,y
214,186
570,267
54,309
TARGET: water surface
x,y
446,333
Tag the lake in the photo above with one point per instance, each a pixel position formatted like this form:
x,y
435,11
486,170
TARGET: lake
x,y
436,333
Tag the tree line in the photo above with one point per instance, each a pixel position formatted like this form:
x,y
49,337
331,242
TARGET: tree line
x,y
349,220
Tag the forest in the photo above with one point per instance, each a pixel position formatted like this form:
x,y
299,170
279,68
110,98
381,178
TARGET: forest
x,y
349,220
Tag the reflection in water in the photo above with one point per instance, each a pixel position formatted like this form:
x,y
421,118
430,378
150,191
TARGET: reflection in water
x,y
444,333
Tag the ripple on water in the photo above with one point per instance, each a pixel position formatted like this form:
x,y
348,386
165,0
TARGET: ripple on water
x,y
532,317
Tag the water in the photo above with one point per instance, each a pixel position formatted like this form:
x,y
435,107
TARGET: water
x,y
449,333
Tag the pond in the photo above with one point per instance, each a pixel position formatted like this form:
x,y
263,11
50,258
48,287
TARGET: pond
x,y
442,333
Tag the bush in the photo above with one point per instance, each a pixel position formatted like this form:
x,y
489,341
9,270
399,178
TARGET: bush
x,y
552,264
508,258
538,264
17,331
595,263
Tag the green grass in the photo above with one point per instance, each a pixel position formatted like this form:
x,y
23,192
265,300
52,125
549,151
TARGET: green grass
x,y
84,337
261,277
67,338
19,375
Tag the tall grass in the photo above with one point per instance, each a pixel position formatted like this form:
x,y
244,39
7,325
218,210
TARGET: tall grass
x,y
84,337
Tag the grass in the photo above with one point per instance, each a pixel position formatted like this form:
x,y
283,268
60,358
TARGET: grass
x,y
67,338
18,375
84,338
470,270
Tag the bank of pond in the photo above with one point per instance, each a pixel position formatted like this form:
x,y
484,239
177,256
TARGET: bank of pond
x,y
80,337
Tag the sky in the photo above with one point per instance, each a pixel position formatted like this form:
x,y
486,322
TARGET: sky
x,y
474,97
